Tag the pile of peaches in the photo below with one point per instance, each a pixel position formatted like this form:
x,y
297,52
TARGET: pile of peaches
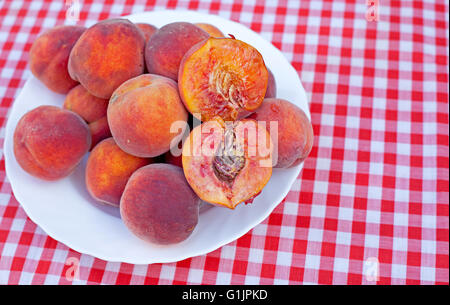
x,y
132,93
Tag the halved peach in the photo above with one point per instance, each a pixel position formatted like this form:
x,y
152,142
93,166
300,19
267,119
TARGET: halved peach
x,y
222,77
227,163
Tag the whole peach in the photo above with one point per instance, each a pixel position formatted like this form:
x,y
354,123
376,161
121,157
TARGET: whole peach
x,y
107,54
108,170
49,56
167,46
158,205
294,139
49,142
145,114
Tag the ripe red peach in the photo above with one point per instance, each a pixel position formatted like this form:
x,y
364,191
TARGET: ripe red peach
x,y
210,29
174,160
99,130
294,139
227,163
49,142
89,107
167,46
49,55
144,113
108,170
158,205
107,54
147,29
222,77
271,86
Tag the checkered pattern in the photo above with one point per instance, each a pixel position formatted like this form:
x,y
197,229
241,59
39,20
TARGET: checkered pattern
x,y
373,195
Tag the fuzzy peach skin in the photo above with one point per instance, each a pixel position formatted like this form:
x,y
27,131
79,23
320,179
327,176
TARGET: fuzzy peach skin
x,y
99,131
147,29
107,54
108,170
174,160
89,107
143,114
49,56
158,205
295,133
271,86
222,77
210,29
49,142
167,46
202,160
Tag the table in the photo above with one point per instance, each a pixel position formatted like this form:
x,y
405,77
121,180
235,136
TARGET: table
x,y
371,205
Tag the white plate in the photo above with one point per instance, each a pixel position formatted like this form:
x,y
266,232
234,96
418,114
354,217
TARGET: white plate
x,y
66,212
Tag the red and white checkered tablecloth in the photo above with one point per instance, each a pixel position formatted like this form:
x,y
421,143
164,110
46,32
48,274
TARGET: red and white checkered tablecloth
x,y
374,191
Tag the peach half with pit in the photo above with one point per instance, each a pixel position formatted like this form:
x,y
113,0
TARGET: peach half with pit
x,y
222,77
228,162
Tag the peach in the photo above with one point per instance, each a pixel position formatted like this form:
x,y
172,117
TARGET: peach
x,y
158,205
99,130
49,142
107,54
49,56
167,46
222,77
294,138
144,114
210,29
172,159
227,163
89,107
108,170
147,29
271,86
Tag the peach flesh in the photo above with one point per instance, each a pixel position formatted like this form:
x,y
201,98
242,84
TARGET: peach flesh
x,y
222,77
227,163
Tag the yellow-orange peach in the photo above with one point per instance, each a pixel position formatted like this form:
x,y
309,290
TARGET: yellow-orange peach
x,y
210,29
99,130
107,54
89,107
108,170
49,55
146,115
49,142
294,137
